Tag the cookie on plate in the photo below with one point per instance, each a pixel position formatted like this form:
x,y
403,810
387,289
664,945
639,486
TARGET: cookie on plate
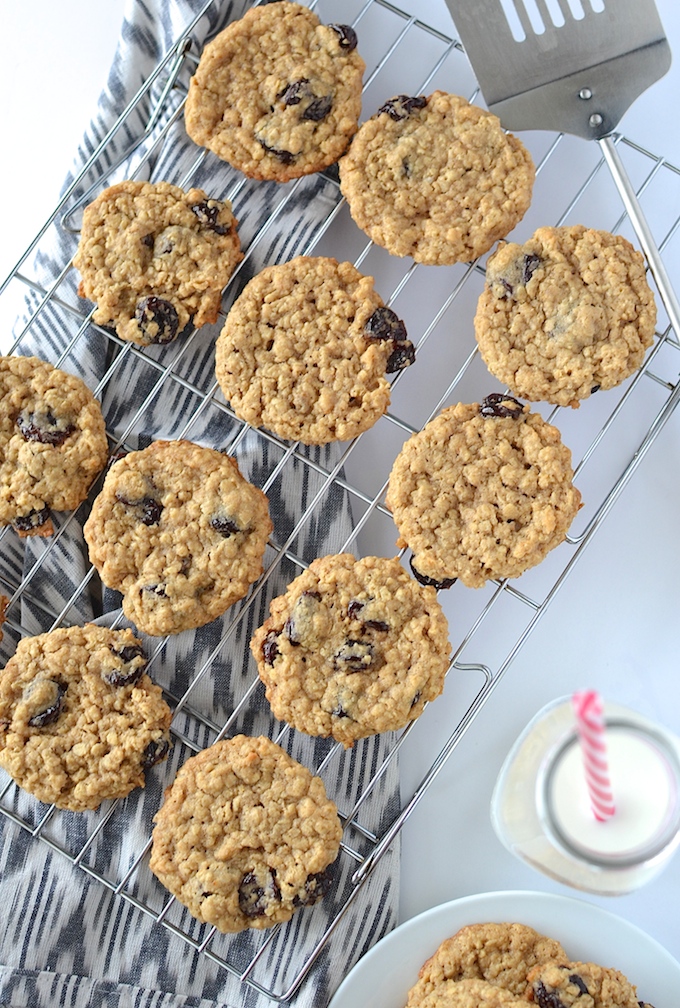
x,y
468,994
583,985
354,647
52,443
180,532
436,178
154,258
245,835
565,314
305,349
80,720
277,94
501,954
483,491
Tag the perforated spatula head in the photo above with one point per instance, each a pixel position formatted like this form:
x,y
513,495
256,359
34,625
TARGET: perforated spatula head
x,y
568,74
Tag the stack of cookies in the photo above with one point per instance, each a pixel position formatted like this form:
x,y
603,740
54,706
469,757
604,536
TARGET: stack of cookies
x,y
492,965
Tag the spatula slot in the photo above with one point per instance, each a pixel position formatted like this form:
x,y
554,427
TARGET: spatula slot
x,y
536,17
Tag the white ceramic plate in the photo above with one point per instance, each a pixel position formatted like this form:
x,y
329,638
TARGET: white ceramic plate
x,y
383,977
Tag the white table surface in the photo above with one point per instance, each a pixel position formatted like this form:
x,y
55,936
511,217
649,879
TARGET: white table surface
x,y
614,623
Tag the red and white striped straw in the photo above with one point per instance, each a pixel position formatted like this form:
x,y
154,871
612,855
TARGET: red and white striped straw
x,y
589,713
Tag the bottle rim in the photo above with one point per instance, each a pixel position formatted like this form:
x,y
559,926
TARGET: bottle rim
x,y
667,835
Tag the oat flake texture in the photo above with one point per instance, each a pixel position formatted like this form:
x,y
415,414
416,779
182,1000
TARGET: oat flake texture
x,y
436,178
80,721
245,835
566,314
478,497
277,94
353,648
179,532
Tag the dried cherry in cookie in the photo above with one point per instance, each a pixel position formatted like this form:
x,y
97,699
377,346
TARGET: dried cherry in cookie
x,y
354,647
402,106
155,752
45,699
125,666
158,319
403,355
498,405
270,649
255,893
225,525
44,426
277,94
347,37
305,350
182,556
80,716
36,522
441,584
245,836
208,212
52,443
318,108
354,656
385,324
316,887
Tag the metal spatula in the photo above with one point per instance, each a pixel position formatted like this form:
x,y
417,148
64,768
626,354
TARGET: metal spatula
x,y
541,67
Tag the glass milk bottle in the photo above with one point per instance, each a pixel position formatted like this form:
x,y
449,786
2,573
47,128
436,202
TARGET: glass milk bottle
x,y
541,809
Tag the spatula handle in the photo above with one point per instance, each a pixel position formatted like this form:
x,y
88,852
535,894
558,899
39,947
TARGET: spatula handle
x,y
642,230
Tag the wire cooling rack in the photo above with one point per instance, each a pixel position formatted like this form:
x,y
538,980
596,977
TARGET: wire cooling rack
x,y
608,435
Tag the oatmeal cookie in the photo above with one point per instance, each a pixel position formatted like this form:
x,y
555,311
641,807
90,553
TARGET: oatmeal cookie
x,y
52,443
436,178
277,94
565,314
179,532
305,349
154,258
354,647
245,835
80,720
483,491
469,994
561,984
501,954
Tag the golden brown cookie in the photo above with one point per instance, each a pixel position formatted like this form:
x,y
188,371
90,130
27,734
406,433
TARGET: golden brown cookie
x,y
501,954
277,94
80,721
563,984
154,258
565,314
52,443
483,491
436,178
353,648
245,835
179,532
468,994
305,349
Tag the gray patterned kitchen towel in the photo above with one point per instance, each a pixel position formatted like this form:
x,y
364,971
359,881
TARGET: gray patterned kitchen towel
x,y
79,925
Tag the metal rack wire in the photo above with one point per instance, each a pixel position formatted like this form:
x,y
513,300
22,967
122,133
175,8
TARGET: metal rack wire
x,y
488,626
